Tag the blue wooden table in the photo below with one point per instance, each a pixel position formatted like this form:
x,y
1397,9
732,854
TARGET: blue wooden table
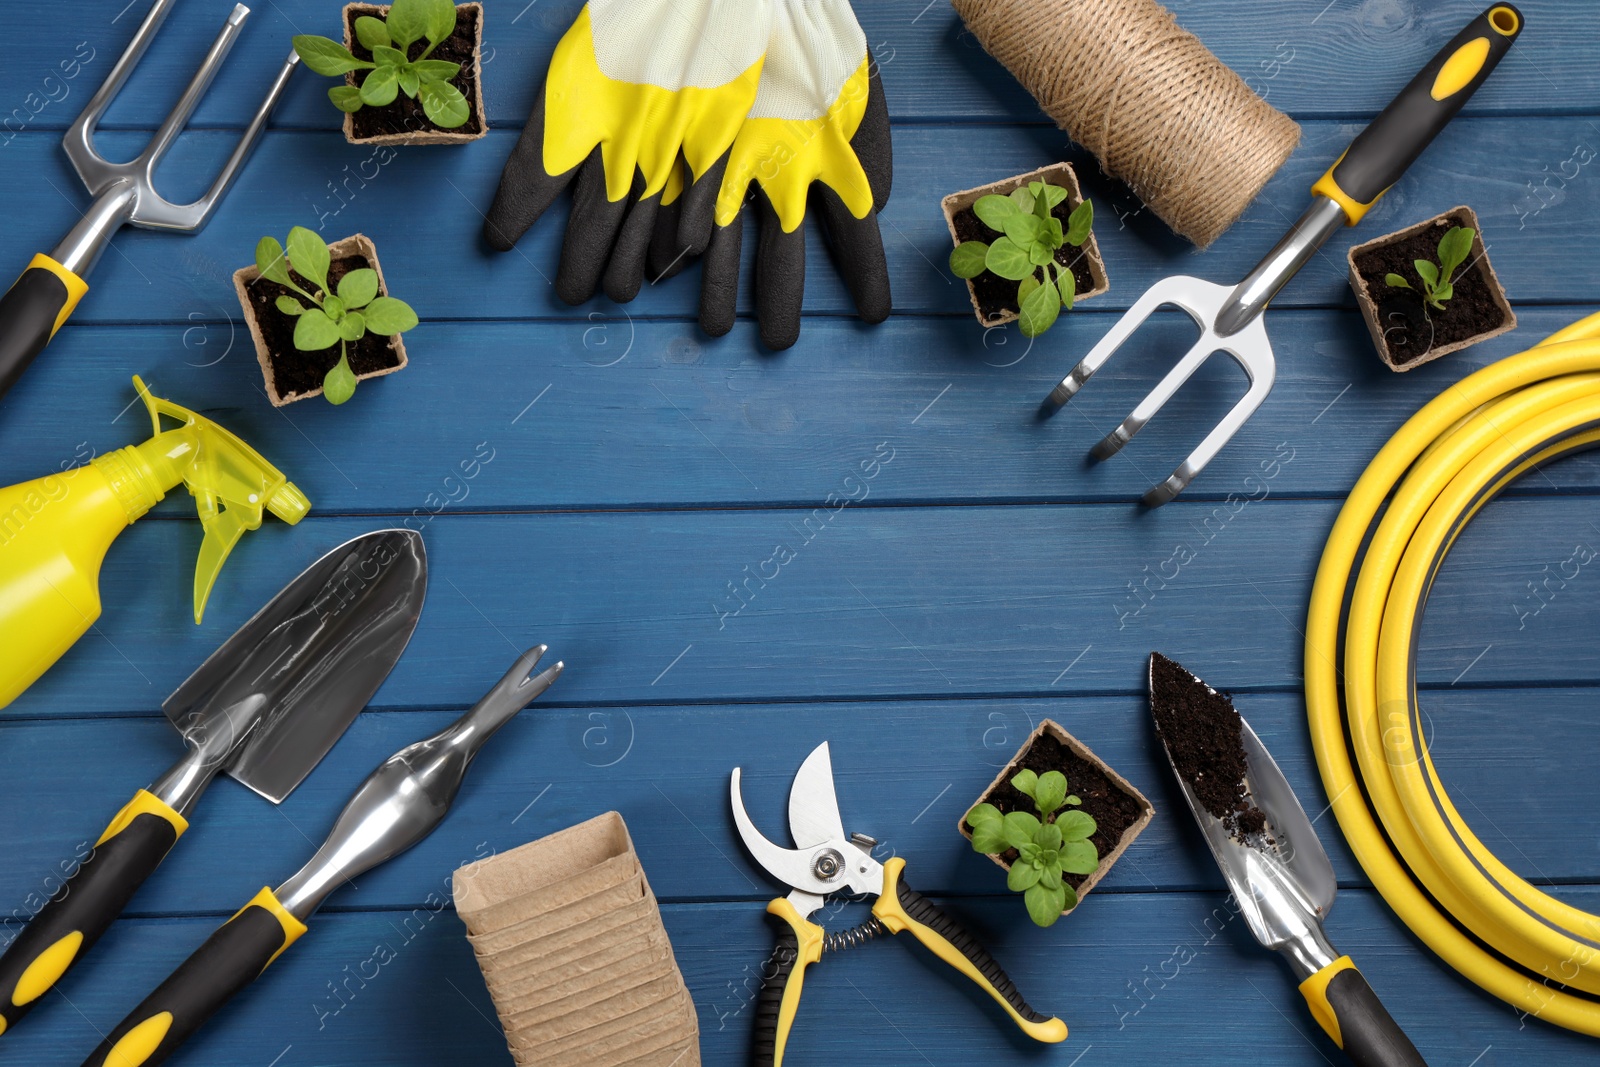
x,y
970,576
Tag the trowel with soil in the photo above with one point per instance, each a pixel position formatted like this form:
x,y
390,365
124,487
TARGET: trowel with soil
x,y
1270,857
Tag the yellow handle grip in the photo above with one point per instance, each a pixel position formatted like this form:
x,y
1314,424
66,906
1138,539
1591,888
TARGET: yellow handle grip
x,y
799,946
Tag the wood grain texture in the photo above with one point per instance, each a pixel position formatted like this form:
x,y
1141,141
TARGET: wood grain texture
x,y
609,481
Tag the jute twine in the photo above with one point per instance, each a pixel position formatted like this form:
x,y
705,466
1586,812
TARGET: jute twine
x,y
1152,103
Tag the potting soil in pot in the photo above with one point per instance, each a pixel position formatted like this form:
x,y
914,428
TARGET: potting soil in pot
x,y
405,115
1113,810
294,371
997,295
1412,328
1201,730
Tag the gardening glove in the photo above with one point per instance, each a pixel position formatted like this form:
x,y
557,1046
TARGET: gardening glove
x,y
818,130
633,87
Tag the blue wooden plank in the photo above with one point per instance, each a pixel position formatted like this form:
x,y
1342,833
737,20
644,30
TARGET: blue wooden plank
x,y
649,414
1102,970
424,211
1298,53
554,764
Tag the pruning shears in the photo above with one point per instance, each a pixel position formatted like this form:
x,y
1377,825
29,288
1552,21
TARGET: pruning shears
x,y
829,862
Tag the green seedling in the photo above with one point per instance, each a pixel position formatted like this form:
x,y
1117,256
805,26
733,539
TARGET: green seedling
x,y
341,317
1438,278
1026,253
393,71
1053,843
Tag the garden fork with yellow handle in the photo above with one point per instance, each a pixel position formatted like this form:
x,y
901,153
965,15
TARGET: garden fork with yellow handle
x,y
49,289
1229,317
827,862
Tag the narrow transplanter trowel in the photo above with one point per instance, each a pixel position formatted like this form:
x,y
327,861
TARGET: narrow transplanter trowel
x,y
265,708
1284,885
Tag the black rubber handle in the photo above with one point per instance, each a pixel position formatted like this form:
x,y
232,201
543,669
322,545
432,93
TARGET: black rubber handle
x,y
1370,1036
28,314
230,959
84,908
799,945
1382,152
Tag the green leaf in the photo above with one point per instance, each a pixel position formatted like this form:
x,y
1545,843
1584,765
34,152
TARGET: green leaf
x,y
371,32
346,98
353,326
1020,828
1026,286
1079,857
436,70
1021,876
1069,897
1080,222
386,316
340,383
1045,905
1427,272
1041,203
982,813
1076,825
1053,194
1039,311
1023,229
270,261
1029,852
358,287
389,57
410,81
988,830
440,16
288,305
1009,260
1048,837
1023,199
1442,294
381,87
314,331
1067,286
408,21
1039,254
325,56
1051,791
333,307
993,211
444,105
1050,876
967,259
1052,235
1396,281
1025,781
309,257
1454,248
1073,798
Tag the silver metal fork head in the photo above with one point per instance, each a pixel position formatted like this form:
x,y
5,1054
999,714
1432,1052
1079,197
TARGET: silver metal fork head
x,y
125,192
1249,347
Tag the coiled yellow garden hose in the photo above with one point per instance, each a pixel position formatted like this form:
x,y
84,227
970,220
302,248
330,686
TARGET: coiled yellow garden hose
x,y
1455,455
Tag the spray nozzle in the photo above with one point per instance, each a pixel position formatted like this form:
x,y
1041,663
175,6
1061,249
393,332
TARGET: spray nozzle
x,y
232,484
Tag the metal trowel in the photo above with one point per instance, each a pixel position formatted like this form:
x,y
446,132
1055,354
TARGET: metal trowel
x,y
1284,885
265,708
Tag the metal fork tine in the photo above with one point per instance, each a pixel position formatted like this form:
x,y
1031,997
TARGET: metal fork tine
x,y
1153,298
198,85
247,143
82,128
1214,441
1154,400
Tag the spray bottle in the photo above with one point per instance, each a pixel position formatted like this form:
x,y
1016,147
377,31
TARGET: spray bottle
x,y
54,531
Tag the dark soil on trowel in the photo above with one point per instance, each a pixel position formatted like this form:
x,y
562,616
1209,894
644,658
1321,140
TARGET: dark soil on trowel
x,y
1201,730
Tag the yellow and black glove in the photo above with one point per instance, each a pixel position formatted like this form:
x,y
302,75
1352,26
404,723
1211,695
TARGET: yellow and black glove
x,y
818,129
633,87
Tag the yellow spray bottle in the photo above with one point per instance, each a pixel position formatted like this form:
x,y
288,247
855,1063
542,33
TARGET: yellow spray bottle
x,y
54,531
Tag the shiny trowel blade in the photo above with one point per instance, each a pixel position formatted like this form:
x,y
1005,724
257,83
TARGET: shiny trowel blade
x,y
813,804
1276,868
310,660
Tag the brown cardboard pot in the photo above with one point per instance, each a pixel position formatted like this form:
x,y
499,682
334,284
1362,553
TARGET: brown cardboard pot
x,y
1057,174
1083,752
430,134
358,245
1370,302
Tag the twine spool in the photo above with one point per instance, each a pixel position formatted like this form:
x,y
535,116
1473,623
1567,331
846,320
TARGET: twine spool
x,y
1156,108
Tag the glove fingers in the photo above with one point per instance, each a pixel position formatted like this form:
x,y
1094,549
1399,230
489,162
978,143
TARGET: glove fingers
x,y
719,278
625,272
683,227
857,248
873,144
526,188
591,232
780,277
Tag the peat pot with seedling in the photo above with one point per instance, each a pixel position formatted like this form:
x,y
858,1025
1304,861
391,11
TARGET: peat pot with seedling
x,y
1055,819
1026,248
320,316
1428,290
412,72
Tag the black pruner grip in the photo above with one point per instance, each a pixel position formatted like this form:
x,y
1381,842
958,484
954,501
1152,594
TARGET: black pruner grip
x,y
1385,149
31,312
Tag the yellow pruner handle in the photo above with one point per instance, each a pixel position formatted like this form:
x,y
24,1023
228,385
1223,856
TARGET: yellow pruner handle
x,y
902,908
799,946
